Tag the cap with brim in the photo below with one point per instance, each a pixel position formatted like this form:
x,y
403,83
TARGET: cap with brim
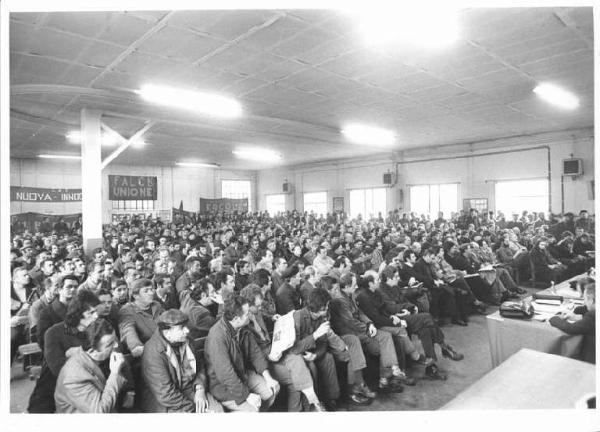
x,y
172,317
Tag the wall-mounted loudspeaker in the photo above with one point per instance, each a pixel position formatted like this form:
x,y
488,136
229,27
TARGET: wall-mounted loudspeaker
x,y
287,188
572,167
387,178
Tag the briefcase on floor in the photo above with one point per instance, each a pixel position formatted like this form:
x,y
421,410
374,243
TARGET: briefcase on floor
x,y
516,309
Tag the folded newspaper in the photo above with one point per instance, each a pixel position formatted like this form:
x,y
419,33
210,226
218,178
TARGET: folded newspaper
x,y
284,335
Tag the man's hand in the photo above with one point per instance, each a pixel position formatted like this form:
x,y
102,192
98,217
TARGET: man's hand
x,y
322,330
372,330
275,317
412,281
200,400
395,320
137,351
403,323
272,384
438,282
116,362
416,309
403,313
309,356
254,400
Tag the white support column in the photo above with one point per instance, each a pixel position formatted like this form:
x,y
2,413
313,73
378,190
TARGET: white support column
x,y
91,179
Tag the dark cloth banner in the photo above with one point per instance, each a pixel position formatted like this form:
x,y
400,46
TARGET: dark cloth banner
x,y
122,187
183,216
33,221
223,205
35,194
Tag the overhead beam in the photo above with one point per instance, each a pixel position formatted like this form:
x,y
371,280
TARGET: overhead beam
x,y
125,143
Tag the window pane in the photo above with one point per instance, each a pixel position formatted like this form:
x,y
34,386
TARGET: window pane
x,y
516,196
448,199
419,199
275,204
434,199
357,203
236,189
316,202
380,202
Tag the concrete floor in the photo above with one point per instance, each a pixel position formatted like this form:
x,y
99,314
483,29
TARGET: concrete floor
x,y
472,341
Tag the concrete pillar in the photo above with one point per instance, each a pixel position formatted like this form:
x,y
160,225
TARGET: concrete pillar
x,y
91,179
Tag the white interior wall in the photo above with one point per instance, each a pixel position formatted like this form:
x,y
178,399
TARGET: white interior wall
x,y
475,174
174,184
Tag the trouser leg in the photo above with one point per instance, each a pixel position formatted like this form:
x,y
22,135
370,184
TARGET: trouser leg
x,y
328,382
284,376
257,384
382,345
357,361
506,279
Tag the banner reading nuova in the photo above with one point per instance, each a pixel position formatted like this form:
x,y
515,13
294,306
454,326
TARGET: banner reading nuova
x,y
122,187
223,205
36,194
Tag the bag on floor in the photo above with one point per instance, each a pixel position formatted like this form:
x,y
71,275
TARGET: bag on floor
x,y
516,309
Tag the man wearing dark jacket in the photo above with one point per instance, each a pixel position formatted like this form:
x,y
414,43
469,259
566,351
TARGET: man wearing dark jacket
x,y
231,379
173,376
441,297
582,321
62,336
55,312
287,297
346,318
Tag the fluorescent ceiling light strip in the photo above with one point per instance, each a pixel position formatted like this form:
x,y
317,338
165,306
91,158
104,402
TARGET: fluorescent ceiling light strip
x,y
206,103
198,164
256,154
369,135
47,156
108,139
557,96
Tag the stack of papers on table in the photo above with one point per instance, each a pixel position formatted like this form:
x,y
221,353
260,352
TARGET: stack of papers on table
x,y
545,308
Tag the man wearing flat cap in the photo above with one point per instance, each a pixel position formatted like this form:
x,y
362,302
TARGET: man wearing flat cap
x,y
173,376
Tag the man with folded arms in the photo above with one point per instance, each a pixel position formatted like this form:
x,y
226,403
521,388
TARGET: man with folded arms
x,y
232,382
173,377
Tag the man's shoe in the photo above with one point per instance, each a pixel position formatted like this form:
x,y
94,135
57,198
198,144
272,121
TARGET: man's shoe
x,y
363,390
520,290
392,385
333,405
448,352
358,399
434,372
422,360
405,380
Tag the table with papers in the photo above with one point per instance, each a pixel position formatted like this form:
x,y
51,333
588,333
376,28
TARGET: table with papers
x,y
529,380
507,336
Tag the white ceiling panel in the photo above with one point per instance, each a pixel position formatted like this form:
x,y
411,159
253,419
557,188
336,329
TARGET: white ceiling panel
x,y
300,76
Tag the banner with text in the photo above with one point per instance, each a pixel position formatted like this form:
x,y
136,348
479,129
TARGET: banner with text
x,y
223,205
33,221
35,194
121,187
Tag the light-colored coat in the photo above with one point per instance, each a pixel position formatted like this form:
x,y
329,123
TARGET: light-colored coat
x,y
82,388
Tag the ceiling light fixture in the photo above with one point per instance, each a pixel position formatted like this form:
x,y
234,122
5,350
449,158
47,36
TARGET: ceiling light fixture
x,y
557,96
198,164
206,103
69,157
413,24
257,154
369,135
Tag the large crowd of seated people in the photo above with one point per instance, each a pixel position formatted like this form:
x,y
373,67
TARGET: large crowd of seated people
x,y
178,316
